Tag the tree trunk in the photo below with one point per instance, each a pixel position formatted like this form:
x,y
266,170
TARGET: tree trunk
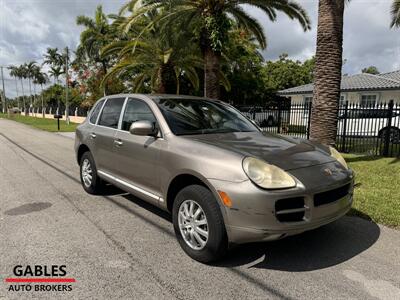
x,y
30,93
166,80
23,95
328,72
43,112
104,67
211,70
16,89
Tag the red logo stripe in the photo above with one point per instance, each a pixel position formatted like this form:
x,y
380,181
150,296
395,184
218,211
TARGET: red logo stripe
x,y
40,280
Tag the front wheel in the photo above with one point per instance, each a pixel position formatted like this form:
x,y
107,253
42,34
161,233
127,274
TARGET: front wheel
x,y
394,134
91,183
199,225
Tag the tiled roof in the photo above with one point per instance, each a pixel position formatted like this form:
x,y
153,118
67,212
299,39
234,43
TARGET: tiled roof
x,y
357,82
392,75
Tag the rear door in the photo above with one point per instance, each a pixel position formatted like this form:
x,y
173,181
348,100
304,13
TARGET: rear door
x,y
137,157
104,135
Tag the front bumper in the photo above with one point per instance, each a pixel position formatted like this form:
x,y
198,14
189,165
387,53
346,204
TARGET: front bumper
x,y
253,215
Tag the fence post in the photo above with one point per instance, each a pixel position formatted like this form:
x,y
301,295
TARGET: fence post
x,y
279,116
389,125
309,119
346,109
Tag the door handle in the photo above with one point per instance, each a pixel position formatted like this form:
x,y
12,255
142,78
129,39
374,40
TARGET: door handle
x,y
93,135
118,143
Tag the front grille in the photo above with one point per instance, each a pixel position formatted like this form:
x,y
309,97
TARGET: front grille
x,y
331,196
290,210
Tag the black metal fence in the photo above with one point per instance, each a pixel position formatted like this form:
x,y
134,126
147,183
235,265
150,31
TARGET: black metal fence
x,y
371,129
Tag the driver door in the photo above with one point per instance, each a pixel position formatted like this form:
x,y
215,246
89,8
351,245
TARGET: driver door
x,y
138,156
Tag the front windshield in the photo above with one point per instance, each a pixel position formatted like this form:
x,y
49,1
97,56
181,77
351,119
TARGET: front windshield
x,y
193,116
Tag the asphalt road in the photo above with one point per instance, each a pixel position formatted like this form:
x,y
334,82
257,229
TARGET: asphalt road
x,y
117,246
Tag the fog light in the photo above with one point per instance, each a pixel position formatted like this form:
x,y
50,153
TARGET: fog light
x,y
225,198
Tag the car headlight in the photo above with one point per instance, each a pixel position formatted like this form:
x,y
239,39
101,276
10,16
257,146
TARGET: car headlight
x,y
267,176
336,155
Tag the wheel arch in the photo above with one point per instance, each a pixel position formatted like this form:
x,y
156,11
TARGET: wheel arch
x,y
181,181
81,150
382,130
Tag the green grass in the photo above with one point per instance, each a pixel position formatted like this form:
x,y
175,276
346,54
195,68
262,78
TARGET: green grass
x,y
40,123
378,196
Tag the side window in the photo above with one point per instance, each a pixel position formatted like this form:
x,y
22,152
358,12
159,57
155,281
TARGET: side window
x,y
96,111
111,112
136,110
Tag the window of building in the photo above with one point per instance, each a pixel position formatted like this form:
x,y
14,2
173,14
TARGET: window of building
x,y
342,101
308,100
368,100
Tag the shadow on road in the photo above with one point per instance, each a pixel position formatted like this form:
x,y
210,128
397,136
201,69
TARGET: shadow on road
x,y
313,250
317,249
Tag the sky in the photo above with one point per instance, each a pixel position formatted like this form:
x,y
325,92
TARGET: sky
x,y
28,27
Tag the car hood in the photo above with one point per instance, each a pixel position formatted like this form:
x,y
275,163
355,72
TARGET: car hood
x,y
286,153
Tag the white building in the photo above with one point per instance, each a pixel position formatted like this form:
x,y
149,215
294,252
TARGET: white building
x,y
363,89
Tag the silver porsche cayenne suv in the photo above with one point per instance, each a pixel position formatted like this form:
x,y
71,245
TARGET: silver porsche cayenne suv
x,y
223,180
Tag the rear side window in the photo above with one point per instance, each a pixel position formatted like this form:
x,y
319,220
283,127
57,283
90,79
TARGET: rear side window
x,y
136,110
96,111
111,112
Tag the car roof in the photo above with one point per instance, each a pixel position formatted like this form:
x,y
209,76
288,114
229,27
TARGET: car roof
x,y
163,96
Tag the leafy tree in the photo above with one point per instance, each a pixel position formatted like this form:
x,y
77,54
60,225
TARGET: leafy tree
x,y
371,70
286,73
395,14
242,66
210,19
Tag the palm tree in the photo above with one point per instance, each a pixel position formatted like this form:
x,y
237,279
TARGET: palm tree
x,y
53,58
211,20
21,75
56,72
14,73
156,60
328,71
95,36
395,14
30,69
41,79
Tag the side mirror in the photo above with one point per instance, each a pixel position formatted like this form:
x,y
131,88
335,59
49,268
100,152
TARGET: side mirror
x,y
143,128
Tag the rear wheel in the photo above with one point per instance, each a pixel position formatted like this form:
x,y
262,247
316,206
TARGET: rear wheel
x,y
198,224
91,183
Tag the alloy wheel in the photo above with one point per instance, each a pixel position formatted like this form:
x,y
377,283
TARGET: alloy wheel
x,y
87,173
193,224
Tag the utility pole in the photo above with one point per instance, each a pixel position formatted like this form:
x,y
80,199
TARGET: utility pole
x,y
4,91
66,87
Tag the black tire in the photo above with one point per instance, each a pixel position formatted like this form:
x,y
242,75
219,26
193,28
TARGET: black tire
x,y
394,134
217,243
97,185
